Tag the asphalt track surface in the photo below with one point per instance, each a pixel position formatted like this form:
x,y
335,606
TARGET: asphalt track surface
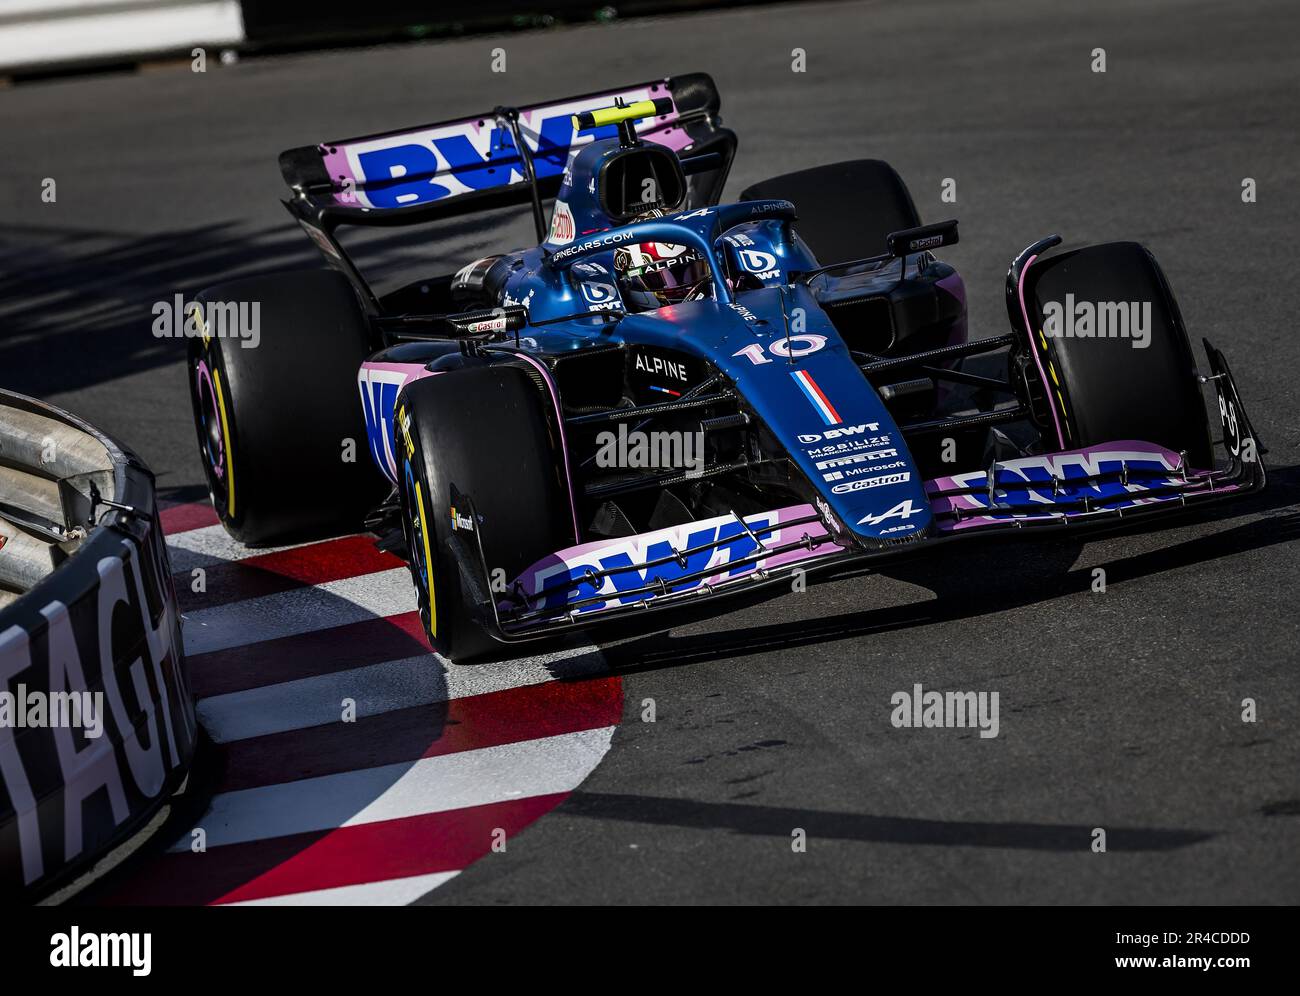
x,y
1119,710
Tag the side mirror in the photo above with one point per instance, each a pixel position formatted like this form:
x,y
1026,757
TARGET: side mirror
x,y
923,238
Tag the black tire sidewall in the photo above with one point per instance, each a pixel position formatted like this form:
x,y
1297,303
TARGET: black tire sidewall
x,y
485,432
291,403
1106,389
847,209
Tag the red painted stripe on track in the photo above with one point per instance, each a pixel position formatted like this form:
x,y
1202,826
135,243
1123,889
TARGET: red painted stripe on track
x,y
372,852
305,655
190,515
489,720
283,570
417,845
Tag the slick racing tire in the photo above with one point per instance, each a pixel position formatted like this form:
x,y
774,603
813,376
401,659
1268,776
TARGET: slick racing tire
x,y
280,429
1108,388
484,432
846,209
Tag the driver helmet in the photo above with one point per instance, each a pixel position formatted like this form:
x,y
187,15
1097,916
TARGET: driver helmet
x,y
654,274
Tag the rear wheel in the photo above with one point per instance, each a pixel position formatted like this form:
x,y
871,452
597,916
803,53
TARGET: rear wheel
x,y
281,434
484,433
845,209
1138,379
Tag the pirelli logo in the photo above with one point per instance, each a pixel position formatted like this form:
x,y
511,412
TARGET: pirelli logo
x,y
869,457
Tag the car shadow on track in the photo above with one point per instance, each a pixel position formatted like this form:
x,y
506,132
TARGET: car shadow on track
x,y
319,712
86,296
973,581
967,582
296,796
776,821
987,578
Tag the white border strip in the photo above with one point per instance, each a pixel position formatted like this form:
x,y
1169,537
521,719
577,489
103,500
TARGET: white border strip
x,y
398,791
42,35
379,688
300,610
393,892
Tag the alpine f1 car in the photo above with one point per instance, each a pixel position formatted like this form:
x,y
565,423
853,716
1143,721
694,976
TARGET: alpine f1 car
x,y
671,398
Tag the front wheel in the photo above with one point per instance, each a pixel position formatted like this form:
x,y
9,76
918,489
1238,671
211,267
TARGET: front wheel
x,y
1115,360
485,433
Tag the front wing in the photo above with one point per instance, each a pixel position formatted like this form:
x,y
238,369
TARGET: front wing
x,y
606,580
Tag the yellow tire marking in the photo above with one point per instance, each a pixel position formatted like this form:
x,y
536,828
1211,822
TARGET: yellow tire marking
x,y
428,561
1064,417
404,423
1051,369
225,438
201,324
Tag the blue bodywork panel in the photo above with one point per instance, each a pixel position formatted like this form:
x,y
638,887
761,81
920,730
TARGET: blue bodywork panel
x,y
775,344
772,340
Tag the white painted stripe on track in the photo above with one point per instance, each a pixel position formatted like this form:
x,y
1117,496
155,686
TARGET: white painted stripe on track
x,y
393,892
379,688
415,788
300,610
396,791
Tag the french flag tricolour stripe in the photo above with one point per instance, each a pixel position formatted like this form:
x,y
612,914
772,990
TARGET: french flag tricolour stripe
x,y
816,397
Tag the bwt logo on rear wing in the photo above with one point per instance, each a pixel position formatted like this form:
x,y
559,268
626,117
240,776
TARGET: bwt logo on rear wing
x,y
445,160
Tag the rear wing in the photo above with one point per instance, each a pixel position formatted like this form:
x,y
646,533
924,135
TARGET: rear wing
x,y
507,156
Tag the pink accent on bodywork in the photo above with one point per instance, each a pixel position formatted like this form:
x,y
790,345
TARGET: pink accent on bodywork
x,y
339,157
956,287
339,168
413,371
1033,348
399,374
564,443
536,577
1125,449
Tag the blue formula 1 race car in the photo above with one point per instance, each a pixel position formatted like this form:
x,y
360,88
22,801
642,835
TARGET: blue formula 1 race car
x,y
671,398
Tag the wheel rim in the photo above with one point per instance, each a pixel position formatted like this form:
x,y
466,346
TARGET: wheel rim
x,y
214,433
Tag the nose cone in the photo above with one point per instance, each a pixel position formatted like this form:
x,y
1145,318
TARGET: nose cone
x,y
790,364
